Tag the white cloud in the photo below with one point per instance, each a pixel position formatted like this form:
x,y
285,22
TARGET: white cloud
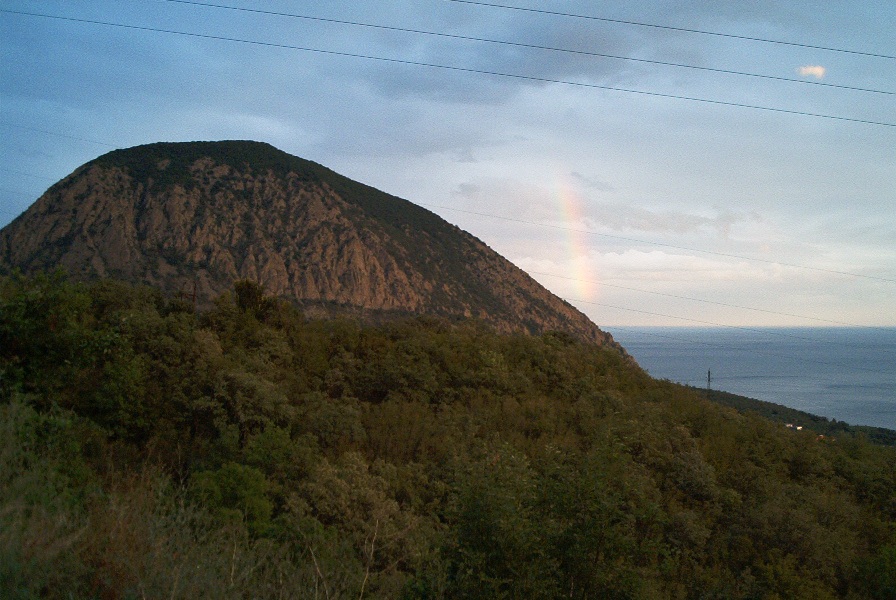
x,y
659,265
626,217
816,71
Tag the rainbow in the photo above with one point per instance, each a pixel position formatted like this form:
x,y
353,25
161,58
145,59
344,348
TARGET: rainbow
x,y
571,205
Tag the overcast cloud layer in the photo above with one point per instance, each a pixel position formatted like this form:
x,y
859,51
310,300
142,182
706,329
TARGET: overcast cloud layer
x,y
639,208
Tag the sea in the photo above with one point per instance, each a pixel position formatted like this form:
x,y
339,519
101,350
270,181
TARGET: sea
x,y
842,373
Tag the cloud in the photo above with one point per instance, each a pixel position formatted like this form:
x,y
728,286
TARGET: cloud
x,y
590,182
544,206
661,265
507,197
816,71
626,217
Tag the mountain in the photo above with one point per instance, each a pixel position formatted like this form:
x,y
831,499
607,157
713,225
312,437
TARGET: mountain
x,y
196,216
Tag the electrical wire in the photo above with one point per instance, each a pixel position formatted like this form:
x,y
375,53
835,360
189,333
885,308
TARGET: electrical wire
x,y
495,216
527,46
687,319
72,137
681,29
713,302
536,79
27,174
415,63
661,244
564,228
602,283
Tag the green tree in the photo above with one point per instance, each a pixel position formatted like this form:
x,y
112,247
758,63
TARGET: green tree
x,y
235,493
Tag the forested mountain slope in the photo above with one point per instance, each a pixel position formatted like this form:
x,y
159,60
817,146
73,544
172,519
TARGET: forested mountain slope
x,y
246,452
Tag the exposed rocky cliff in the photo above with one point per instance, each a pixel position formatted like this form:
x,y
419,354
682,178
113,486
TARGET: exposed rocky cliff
x,y
203,214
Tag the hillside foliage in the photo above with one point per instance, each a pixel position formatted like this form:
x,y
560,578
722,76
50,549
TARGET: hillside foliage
x,y
246,452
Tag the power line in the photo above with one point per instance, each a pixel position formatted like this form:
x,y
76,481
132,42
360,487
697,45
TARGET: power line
x,y
587,231
661,244
622,238
682,29
528,46
71,137
27,174
604,283
725,304
461,69
691,320
601,283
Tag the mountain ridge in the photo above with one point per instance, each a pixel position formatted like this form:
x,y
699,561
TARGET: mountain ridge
x,y
203,214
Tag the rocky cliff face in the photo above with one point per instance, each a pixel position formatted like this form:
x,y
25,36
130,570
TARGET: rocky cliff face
x,y
208,213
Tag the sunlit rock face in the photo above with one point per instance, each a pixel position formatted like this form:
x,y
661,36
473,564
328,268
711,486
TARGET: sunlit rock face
x,y
199,215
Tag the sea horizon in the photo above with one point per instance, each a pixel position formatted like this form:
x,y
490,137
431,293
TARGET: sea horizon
x,y
845,373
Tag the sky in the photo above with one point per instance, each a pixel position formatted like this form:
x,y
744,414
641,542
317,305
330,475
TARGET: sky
x,y
646,172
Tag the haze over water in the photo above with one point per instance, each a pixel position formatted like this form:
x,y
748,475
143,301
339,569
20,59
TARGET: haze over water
x,y
848,374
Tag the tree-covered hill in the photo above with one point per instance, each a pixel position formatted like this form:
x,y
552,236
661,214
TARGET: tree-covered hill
x,y
246,452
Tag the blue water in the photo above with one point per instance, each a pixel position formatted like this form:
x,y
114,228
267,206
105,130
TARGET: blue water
x,y
848,374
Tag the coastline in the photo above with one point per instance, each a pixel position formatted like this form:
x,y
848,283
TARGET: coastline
x,y
843,374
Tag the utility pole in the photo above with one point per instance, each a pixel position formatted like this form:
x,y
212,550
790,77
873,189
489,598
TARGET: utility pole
x,y
708,382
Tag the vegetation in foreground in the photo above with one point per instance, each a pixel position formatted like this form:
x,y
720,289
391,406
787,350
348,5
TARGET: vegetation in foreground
x,y
146,451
